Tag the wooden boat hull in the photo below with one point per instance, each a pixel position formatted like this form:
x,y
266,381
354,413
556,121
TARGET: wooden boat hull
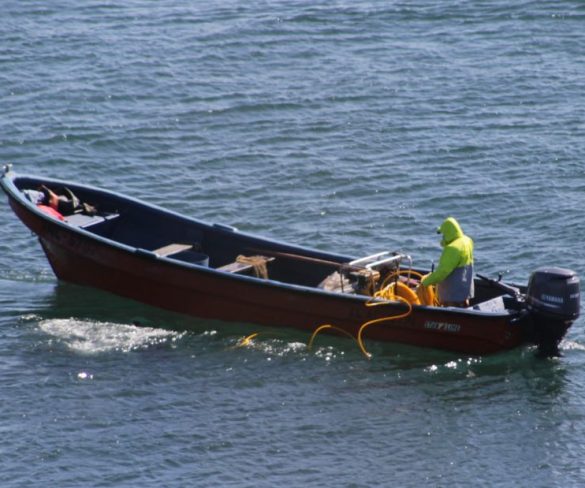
x,y
149,281
77,256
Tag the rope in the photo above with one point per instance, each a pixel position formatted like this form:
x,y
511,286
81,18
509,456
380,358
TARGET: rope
x,y
257,262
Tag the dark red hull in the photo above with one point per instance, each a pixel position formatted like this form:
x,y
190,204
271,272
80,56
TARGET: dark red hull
x,y
113,261
78,258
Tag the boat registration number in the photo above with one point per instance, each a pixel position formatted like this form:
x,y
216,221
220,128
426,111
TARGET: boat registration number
x,y
443,326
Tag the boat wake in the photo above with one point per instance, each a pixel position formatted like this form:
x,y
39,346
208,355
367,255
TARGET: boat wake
x,y
91,337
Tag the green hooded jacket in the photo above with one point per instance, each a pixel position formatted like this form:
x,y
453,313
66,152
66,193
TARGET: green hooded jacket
x,y
457,252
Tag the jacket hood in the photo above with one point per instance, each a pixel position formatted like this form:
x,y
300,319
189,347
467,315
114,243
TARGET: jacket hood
x,y
450,229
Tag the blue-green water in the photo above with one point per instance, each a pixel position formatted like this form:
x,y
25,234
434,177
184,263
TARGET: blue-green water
x,y
347,126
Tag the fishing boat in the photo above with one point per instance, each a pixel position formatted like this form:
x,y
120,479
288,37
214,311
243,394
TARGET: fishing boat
x,y
161,258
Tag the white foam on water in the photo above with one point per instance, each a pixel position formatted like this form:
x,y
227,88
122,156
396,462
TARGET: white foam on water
x,y
271,347
276,348
90,337
461,364
566,345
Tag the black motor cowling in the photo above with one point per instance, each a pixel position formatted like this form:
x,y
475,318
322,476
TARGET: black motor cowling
x,y
553,300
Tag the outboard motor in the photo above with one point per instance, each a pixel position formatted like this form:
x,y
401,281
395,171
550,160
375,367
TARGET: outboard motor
x,y
553,300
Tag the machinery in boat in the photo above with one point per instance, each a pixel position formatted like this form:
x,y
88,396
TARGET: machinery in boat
x,y
146,253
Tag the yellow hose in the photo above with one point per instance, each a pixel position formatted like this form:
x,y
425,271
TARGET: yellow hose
x,y
245,341
427,294
398,289
386,295
423,295
323,327
389,297
377,321
401,272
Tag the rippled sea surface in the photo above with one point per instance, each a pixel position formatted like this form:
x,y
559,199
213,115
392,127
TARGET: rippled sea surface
x,y
347,126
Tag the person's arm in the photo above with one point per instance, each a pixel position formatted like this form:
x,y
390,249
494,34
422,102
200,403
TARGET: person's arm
x,y
447,263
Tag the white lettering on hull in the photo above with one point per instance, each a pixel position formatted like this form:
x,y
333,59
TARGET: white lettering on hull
x,y
442,326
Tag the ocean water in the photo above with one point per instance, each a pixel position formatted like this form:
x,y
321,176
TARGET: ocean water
x,y
347,126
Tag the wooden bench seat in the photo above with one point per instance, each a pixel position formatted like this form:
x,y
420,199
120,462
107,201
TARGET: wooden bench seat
x,y
171,249
238,267
85,221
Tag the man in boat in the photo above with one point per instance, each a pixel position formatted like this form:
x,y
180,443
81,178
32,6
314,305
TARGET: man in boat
x,y
454,274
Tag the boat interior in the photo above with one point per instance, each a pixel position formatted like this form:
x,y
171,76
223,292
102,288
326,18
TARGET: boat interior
x,y
154,231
